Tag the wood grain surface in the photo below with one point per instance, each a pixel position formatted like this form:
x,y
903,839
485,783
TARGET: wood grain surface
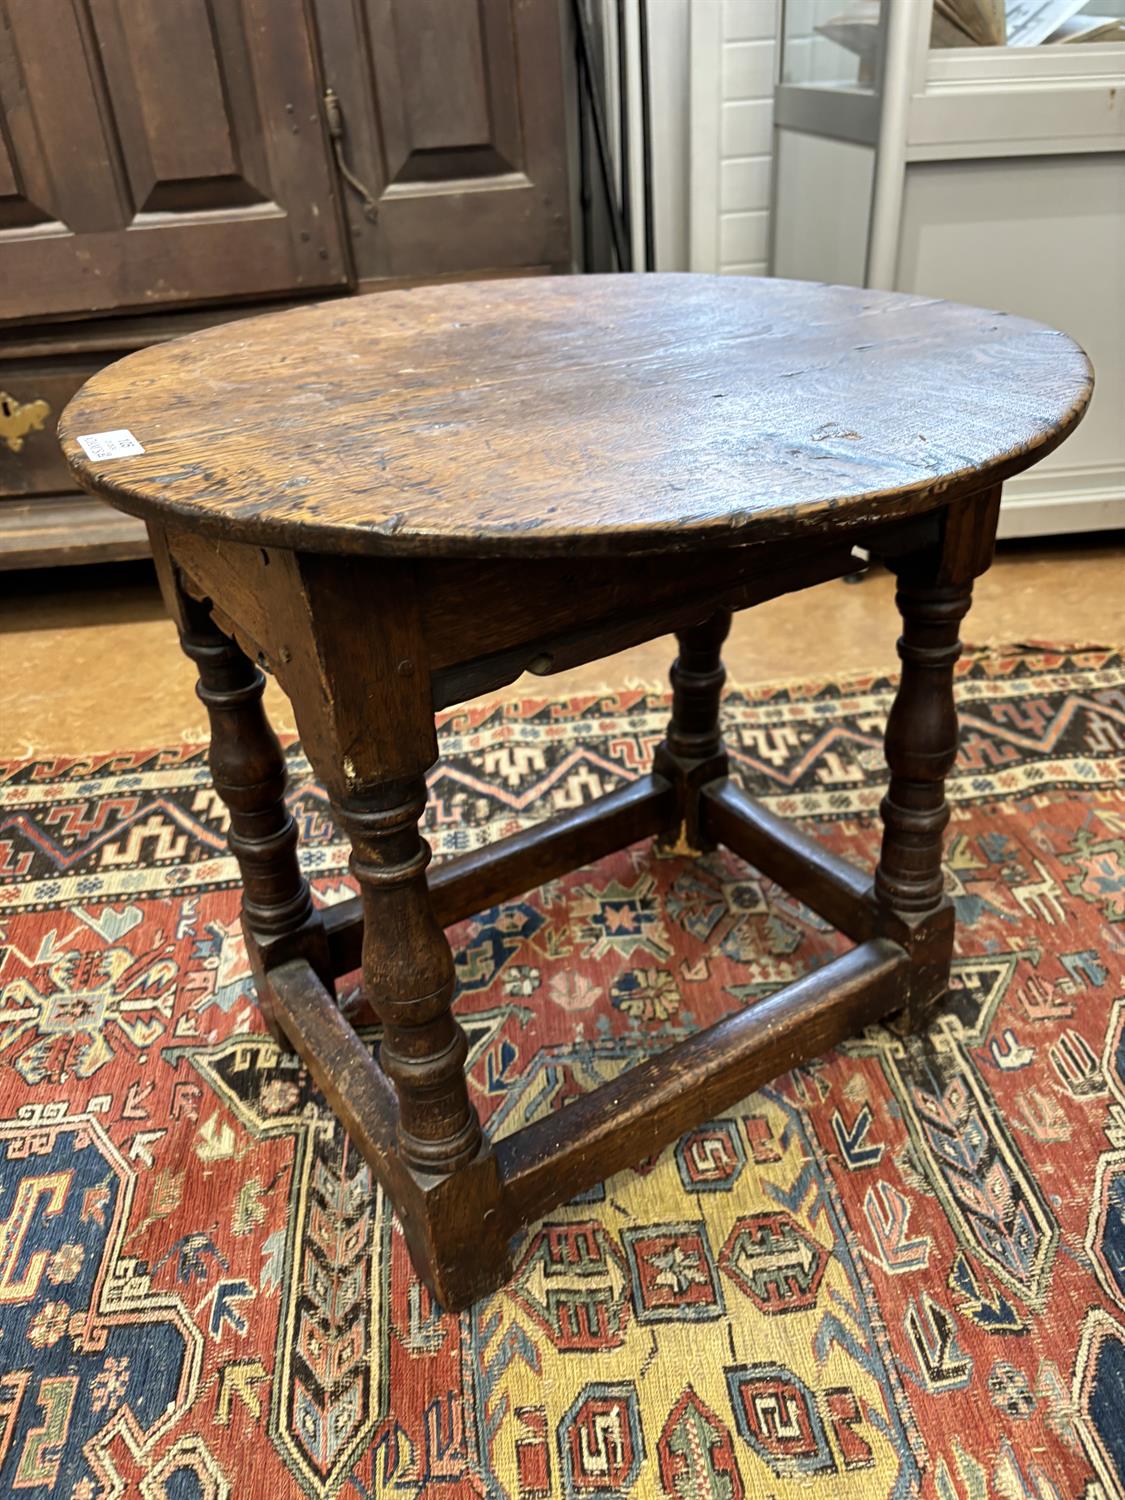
x,y
589,414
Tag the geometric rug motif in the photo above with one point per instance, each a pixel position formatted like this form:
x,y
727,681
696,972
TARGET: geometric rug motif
x,y
896,1271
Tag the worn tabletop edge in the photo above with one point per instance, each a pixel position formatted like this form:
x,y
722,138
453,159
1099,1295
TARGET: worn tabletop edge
x,y
494,539
735,527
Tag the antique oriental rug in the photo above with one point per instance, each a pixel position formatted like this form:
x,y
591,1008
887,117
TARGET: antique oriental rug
x,y
897,1272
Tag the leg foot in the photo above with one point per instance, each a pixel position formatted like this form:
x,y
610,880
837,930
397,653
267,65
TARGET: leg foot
x,y
458,1236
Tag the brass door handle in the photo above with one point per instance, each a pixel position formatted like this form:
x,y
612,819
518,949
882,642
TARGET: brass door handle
x,y
18,419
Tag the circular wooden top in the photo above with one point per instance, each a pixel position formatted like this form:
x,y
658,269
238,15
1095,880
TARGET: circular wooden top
x,y
594,414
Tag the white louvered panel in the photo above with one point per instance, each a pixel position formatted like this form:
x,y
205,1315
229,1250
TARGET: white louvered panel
x,y
746,73
732,66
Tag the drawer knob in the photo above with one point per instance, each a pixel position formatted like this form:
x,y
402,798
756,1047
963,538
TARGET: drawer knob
x,y
17,420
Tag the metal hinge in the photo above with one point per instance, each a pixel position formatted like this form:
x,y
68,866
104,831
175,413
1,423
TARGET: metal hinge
x,y
334,115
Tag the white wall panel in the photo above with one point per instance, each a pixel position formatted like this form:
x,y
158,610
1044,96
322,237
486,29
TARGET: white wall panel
x,y
821,228
744,182
746,20
747,70
1043,237
732,63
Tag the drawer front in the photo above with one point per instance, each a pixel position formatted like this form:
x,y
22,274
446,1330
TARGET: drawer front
x,y
32,395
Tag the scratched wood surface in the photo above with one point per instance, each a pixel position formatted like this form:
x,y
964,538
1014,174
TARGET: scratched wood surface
x,y
596,414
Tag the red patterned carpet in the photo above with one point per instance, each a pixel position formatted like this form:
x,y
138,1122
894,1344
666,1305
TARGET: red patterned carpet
x,y
899,1271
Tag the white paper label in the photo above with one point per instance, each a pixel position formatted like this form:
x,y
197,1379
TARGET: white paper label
x,y
119,444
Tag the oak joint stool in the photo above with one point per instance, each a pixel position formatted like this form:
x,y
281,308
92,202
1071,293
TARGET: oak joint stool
x,y
397,502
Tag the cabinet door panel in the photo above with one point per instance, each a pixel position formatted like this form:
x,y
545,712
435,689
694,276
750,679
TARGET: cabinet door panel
x,y
178,138
55,123
445,80
454,118
160,154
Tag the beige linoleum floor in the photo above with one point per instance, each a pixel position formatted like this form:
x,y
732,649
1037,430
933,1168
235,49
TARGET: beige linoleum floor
x,y
89,663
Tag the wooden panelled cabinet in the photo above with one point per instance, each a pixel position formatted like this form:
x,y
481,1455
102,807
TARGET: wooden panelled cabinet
x,y
167,166
455,122
160,154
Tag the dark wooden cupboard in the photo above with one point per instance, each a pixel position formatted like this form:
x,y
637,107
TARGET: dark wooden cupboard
x,y
160,153
168,163
455,123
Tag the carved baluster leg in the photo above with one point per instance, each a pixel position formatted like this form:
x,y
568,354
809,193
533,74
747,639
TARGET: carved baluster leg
x,y
697,678
692,751
921,746
351,654
409,977
248,770
934,593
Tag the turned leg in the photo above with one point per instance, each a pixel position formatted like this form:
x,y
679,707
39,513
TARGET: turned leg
x,y
452,1215
409,977
345,640
692,751
697,678
359,682
933,596
248,771
921,747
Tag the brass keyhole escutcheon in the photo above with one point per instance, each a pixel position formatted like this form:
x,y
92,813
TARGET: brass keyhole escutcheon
x,y
17,419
